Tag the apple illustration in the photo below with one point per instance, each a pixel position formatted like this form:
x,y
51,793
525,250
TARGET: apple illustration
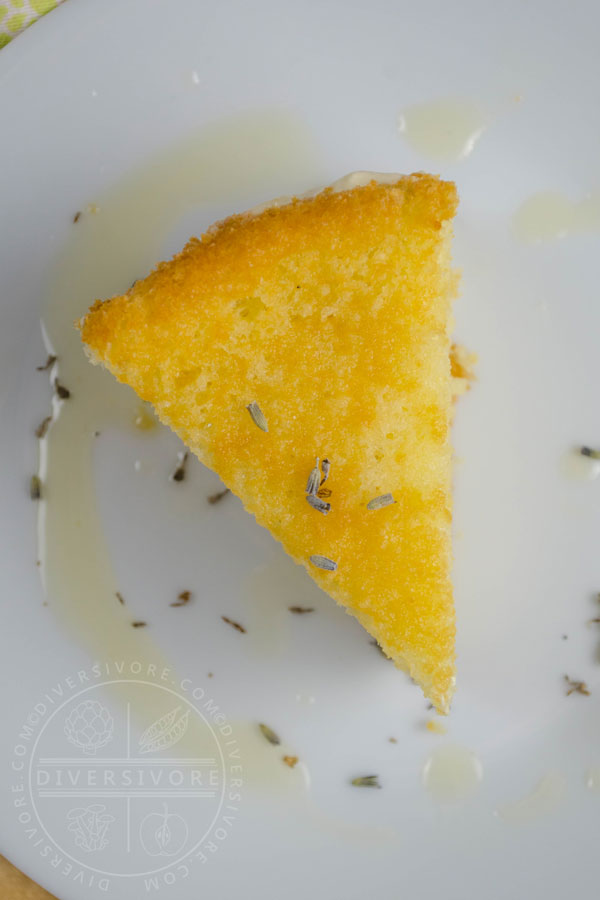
x,y
163,833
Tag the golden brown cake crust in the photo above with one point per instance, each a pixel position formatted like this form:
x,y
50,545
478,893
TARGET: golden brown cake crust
x,y
332,313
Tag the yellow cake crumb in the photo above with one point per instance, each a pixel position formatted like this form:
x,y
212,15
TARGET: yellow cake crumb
x,y
462,368
144,420
435,727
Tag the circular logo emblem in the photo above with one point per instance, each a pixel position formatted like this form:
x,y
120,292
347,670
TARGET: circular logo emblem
x,y
126,774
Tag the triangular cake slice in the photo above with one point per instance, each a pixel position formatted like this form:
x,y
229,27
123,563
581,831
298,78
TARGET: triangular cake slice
x,y
319,327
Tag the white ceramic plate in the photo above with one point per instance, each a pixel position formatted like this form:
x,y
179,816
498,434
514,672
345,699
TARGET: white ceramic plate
x,y
168,116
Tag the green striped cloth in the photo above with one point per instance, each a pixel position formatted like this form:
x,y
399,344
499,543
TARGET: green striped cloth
x,y
16,15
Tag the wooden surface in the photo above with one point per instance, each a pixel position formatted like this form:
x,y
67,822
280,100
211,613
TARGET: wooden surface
x,y
16,886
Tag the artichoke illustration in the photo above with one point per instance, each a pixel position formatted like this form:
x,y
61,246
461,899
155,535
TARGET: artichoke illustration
x,y
89,726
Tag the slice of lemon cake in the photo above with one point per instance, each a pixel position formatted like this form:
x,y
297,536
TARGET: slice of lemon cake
x,y
302,352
